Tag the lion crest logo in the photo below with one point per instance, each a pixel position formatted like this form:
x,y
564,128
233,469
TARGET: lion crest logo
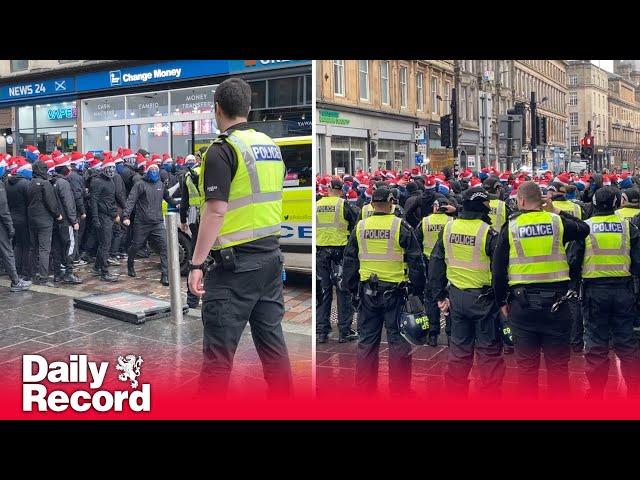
x,y
130,368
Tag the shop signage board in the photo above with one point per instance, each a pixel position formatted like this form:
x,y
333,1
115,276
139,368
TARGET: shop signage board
x,y
37,89
333,117
440,158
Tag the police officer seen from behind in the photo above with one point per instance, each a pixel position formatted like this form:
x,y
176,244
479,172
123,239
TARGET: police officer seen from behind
x,y
608,258
427,234
241,178
381,256
531,284
146,197
463,256
335,220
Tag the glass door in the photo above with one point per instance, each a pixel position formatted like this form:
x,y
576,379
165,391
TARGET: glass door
x,y
117,137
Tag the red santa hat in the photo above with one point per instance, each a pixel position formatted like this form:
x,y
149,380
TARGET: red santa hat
x,y
32,149
613,178
95,164
368,192
88,156
76,157
166,158
352,196
21,164
118,159
150,164
126,153
563,178
63,161
504,177
156,158
466,175
140,160
430,182
55,155
606,181
514,188
474,182
51,165
108,161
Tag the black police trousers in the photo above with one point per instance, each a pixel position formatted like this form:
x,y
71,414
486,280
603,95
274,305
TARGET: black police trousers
x,y
535,328
6,255
41,249
103,234
63,245
21,248
606,319
474,328
374,312
192,299
156,234
327,260
251,292
432,309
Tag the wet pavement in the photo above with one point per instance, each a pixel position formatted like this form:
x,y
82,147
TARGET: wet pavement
x,y
45,321
335,369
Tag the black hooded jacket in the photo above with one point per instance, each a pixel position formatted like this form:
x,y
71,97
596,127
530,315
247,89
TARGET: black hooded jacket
x,y
18,197
77,187
130,177
66,202
43,204
5,215
146,197
103,197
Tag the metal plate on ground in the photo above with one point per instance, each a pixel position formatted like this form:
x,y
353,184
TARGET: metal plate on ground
x,y
127,307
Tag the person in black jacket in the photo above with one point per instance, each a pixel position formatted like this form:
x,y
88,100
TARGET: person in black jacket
x,y
146,197
76,180
412,211
43,212
63,232
119,230
103,216
17,187
7,232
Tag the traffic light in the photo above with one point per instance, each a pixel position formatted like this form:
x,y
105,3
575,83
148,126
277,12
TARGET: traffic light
x,y
586,147
519,109
445,131
541,130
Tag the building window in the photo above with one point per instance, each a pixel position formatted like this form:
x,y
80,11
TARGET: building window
x,y
462,96
363,66
19,65
403,87
573,117
419,92
573,98
384,82
573,80
447,97
471,111
434,95
338,77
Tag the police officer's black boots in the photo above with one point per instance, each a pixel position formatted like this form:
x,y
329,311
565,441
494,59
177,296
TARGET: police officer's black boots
x,y
71,278
348,336
322,338
164,279
433,340
131,271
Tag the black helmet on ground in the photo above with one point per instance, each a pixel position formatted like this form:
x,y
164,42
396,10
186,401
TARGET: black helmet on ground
x,y
413,322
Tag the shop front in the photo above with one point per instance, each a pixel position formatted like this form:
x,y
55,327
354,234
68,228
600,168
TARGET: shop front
x,y
348,142
165,107
6,139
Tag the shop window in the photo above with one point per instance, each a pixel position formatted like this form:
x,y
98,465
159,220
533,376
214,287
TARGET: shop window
x,y
19,65
152,137
308,90
25,117
95,139
286,92
347,153
153,104
103,109
258,95
181,138
193,101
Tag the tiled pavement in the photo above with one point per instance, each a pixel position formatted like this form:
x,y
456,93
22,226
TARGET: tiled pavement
x,y
45,321
335,370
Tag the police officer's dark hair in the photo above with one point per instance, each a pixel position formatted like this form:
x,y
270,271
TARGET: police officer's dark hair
x,y
530,191
234,97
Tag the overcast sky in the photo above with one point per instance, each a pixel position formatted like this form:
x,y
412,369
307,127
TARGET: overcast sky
x,y
606,64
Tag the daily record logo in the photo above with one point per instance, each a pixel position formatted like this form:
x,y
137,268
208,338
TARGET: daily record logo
x,y
116,77
90,375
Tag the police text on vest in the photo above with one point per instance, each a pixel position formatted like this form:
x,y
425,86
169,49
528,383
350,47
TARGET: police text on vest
x,y
606,227
377,234
460,239
538,230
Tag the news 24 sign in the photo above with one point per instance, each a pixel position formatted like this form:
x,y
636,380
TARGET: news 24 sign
x,y
39,88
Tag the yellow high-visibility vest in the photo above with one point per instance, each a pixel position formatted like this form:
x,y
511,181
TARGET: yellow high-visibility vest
x,y
607,248
255,199
536,251
468,265
332,230
379,249
431,227
627,212
498,214
568,206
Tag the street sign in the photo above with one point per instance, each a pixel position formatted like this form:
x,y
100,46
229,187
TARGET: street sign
x,y
419,134
419,159
422,148
544,166
471,161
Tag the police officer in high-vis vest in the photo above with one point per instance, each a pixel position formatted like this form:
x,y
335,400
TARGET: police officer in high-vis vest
x,y
531,284
381,257
241,180
190,201
500,211
462,255
427,233
559,193
369,209
630,204
608,259
335,220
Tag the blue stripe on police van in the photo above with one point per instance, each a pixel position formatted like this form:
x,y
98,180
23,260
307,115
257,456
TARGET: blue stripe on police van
x,y
266,152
